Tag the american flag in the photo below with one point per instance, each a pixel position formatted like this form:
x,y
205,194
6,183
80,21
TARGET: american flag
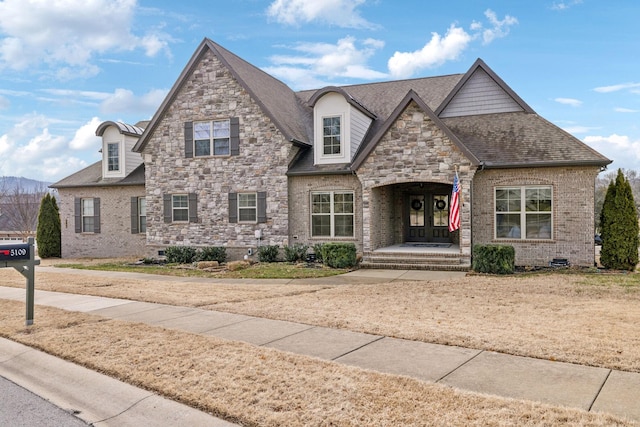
x,y
454,205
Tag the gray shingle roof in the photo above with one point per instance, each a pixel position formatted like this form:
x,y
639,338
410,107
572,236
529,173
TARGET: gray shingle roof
x,y
91,176
521,140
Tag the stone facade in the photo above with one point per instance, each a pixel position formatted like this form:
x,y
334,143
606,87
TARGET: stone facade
x,y
115,238
211,93
573,213
413,150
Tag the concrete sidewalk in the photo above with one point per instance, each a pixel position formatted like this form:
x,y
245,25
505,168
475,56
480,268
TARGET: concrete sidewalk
x,y
584,387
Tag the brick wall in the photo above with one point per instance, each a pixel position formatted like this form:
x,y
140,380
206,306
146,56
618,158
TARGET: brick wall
x,y
211,93
573,213
300,188
115,238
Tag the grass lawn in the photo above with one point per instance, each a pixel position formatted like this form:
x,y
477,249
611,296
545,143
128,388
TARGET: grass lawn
x,y
580,318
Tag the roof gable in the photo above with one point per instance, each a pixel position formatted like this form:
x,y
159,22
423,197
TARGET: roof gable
x,y
275,98
411,96
481,91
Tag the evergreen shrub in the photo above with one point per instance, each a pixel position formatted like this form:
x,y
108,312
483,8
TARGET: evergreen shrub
x,y
494,259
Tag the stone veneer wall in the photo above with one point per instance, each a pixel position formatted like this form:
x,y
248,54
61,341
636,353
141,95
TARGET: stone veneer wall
x,y
573,213
300,188
115,238
212,93
414,149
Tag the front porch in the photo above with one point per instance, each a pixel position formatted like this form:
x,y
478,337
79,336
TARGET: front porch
x,y
418,256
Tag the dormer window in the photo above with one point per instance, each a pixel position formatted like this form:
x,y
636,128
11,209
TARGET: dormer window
x,y
113,157
332,135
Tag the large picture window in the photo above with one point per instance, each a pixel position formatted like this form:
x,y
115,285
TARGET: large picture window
x,y
331,135
212,138
332,214
523,212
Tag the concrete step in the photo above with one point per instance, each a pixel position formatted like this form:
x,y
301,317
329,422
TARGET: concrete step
x,y
416,261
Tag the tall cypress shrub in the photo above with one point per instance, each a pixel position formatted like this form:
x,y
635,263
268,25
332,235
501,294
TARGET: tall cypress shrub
x,y
49,229
619,224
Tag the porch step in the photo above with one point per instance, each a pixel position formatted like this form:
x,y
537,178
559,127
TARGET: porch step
x,y
415,261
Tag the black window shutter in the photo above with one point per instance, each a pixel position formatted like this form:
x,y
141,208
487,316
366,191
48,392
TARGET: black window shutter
x,y
193,207
96,215
262,206
188,139
234,131
233,207
167,208
77,213
134,215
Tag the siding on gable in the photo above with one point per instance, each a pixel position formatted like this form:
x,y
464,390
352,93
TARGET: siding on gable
x,y
359,127
480,95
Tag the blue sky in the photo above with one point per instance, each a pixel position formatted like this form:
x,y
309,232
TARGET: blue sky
x,y
68,65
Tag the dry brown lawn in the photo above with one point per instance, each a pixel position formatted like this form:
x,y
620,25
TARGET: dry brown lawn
x,y
588,319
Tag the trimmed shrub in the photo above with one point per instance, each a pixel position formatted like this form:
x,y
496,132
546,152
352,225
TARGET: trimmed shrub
x,y
268,253
213,253
494,259
339,255
297,252
180,254
317,249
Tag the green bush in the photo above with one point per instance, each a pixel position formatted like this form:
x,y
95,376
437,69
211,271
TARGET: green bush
x,y
317,249
268,253
494,259
212,253
619,224
180,254
297,252
339,255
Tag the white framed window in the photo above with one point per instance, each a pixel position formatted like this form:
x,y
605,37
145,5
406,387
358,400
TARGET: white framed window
x,y
212,138
142,215
113,157
247,207
332,214
332,136
180,207
88,215
524,212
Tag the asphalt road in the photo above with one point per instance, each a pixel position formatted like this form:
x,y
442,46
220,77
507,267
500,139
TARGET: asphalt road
x,y
21,408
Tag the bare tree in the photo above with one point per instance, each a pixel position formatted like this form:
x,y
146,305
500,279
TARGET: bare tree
x,y
20,207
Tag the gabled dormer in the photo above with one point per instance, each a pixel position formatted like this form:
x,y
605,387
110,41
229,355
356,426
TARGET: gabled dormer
x,y
118,140
481,91
340,124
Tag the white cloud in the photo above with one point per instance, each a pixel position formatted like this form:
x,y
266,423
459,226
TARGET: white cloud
x,y
616,88
436,52
69,33
576,129
619,147
499,28
347,59
125,101
341,13
569,101
564,5
85,137
30,149
625,110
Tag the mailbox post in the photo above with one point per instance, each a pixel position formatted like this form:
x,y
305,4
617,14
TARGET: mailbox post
x,y
22,257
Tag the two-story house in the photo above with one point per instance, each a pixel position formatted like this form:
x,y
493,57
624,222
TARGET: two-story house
x,y
233,157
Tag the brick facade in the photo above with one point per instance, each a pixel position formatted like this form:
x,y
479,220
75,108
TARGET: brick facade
x,y
573,213
115,238
211,93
